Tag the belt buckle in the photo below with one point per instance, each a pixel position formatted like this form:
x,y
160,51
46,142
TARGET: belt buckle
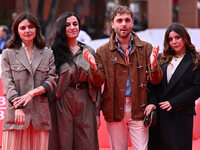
x,y
77,86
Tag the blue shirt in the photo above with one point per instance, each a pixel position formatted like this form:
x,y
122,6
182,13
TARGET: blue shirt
x,y
3,43
128,84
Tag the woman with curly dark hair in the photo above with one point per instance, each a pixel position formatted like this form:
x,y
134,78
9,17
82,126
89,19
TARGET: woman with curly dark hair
x,y
28,76
175,96
75,117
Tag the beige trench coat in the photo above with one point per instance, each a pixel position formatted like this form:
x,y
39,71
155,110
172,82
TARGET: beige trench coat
x,y
74,111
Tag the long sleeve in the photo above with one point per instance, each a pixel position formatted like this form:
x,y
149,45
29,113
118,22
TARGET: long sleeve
x,y
9,89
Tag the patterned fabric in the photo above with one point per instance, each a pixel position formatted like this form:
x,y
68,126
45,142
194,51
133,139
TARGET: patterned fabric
x,y
126,54
126,51
19,77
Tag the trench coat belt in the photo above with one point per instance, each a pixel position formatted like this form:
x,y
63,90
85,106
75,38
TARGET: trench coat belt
x,y
78,85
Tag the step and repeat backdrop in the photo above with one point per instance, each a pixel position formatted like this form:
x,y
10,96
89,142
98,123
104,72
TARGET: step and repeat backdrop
x,y
2,110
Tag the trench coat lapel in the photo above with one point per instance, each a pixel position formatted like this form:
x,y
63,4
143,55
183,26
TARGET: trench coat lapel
x,y
22,57
36,59
164,69
180,70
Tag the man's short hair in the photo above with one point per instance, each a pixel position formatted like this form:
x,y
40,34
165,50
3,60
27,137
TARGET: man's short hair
x,y
120,10
5,28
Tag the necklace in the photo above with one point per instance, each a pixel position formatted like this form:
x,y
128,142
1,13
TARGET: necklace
x,y
177,57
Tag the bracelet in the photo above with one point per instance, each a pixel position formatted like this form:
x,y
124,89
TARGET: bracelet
x,y
19,107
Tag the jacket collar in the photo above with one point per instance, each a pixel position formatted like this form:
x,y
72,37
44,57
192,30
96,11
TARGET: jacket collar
x,y
36,59
113,44
65,67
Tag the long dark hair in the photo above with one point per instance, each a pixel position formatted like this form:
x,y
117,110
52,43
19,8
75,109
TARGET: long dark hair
x,y
168,52
58,40
16,41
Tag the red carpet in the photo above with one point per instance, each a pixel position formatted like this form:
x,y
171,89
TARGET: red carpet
x,y
103,137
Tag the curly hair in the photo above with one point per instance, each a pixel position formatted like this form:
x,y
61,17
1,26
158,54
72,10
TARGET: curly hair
x,y
58,40
168,52
119,9
16,41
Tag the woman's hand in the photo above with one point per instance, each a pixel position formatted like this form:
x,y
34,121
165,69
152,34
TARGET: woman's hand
x,y
98,122
165,105
19,116
22,100
149,108
154,56
90,59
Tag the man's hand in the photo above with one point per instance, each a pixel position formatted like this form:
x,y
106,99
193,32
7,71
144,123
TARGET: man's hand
x,y
90,59
154,56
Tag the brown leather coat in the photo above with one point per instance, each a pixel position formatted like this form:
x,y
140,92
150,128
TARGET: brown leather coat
x,y
113,71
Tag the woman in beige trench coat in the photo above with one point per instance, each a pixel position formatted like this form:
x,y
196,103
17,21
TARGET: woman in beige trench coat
x,y
74,110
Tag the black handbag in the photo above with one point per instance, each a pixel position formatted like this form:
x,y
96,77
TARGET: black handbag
x,y
151,119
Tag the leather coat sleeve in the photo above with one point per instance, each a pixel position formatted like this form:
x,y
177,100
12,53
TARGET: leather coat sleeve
x,y
156,75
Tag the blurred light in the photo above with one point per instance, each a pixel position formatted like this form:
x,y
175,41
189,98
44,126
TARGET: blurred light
x,y
134,7
198,5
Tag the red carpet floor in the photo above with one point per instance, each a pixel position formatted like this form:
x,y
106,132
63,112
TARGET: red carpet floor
x,y
103,137
104,144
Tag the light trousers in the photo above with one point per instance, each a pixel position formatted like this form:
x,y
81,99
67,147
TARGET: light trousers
x,y
119,132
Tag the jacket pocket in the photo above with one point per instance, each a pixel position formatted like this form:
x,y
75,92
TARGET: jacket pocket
x,y
18,72
44,113
10,115
41,72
